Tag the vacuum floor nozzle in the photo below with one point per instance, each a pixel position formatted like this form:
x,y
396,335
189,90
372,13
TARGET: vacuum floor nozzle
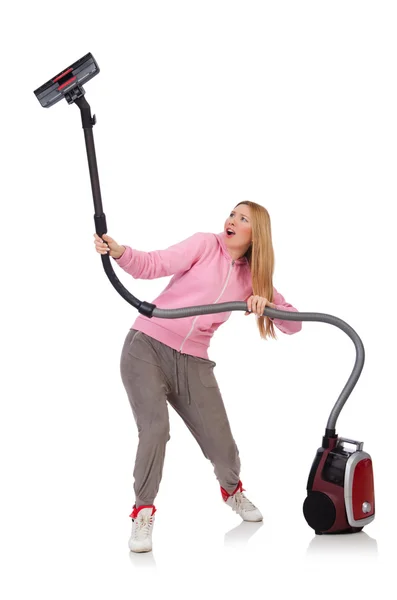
x,y
68,83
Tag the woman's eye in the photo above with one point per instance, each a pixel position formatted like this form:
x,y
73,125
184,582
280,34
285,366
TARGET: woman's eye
x,y
242,217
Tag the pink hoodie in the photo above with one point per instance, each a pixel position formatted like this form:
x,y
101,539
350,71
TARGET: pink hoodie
x,y
204,273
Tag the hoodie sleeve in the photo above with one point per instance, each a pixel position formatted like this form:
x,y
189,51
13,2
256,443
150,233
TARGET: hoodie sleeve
x,y
288,327
160,263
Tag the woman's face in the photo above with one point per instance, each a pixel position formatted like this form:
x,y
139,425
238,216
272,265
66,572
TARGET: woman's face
x,y
239,221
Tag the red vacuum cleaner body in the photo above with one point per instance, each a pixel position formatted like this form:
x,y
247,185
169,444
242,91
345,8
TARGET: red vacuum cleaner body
x,y
341,497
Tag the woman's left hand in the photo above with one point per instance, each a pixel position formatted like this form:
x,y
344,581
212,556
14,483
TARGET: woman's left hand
x,y
257,304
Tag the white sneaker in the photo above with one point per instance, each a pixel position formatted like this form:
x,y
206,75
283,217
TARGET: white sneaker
x,y
241,505
142,527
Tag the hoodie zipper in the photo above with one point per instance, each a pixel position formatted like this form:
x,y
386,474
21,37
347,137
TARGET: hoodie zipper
x,y
195,319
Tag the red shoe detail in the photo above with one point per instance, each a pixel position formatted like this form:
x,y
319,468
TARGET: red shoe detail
x,y
136,510
226,495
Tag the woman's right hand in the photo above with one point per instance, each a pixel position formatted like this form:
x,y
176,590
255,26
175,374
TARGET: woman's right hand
x,y
114,249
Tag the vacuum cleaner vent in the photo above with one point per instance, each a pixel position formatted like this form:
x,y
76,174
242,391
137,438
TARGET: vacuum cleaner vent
x,y
68,83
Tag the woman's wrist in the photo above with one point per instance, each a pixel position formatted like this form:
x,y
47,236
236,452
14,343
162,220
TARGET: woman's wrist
x,y
122,252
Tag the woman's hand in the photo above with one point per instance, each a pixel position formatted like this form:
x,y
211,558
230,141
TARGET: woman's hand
x,y
257,304
109,245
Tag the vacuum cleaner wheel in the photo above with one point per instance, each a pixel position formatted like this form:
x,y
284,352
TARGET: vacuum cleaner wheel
x,y
319,511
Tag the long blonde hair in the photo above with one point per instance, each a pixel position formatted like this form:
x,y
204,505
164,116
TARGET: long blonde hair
x,y
260,256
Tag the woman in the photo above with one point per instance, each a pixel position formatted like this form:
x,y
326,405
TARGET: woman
x,y
167,359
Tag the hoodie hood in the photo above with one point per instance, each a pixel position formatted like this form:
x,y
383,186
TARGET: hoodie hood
x,y
221,237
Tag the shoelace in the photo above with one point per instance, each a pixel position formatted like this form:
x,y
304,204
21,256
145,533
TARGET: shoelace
x,y
143,525
242,502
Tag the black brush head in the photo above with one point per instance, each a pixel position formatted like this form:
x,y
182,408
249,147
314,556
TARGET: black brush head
x,y
68,83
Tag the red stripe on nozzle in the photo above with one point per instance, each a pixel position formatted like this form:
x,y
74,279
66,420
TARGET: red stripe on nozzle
x,y
62,74
67,82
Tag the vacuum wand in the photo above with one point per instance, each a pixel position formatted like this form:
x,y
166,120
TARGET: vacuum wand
x,y
68,85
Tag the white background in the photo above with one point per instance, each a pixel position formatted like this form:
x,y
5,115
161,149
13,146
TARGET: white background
x,y
199,105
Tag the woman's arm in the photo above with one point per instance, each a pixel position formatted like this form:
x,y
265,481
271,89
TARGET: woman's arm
x,y
160,263
288,327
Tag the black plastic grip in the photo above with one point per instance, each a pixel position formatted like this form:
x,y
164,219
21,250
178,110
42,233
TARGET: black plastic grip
x,y
100,224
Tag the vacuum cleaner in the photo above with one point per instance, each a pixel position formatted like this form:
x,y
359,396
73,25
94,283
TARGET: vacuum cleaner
x,y
340,488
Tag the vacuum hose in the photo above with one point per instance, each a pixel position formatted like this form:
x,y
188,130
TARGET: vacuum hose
x,y
150,310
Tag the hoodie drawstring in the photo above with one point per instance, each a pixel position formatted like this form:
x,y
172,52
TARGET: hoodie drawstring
x,y
176,375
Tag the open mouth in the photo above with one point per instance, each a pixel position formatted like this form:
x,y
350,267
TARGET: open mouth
x,y
230,232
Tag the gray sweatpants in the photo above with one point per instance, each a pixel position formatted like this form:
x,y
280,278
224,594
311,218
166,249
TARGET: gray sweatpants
x,y
153,373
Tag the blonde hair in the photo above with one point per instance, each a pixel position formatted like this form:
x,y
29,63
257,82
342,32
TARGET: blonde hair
x,y
260,256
